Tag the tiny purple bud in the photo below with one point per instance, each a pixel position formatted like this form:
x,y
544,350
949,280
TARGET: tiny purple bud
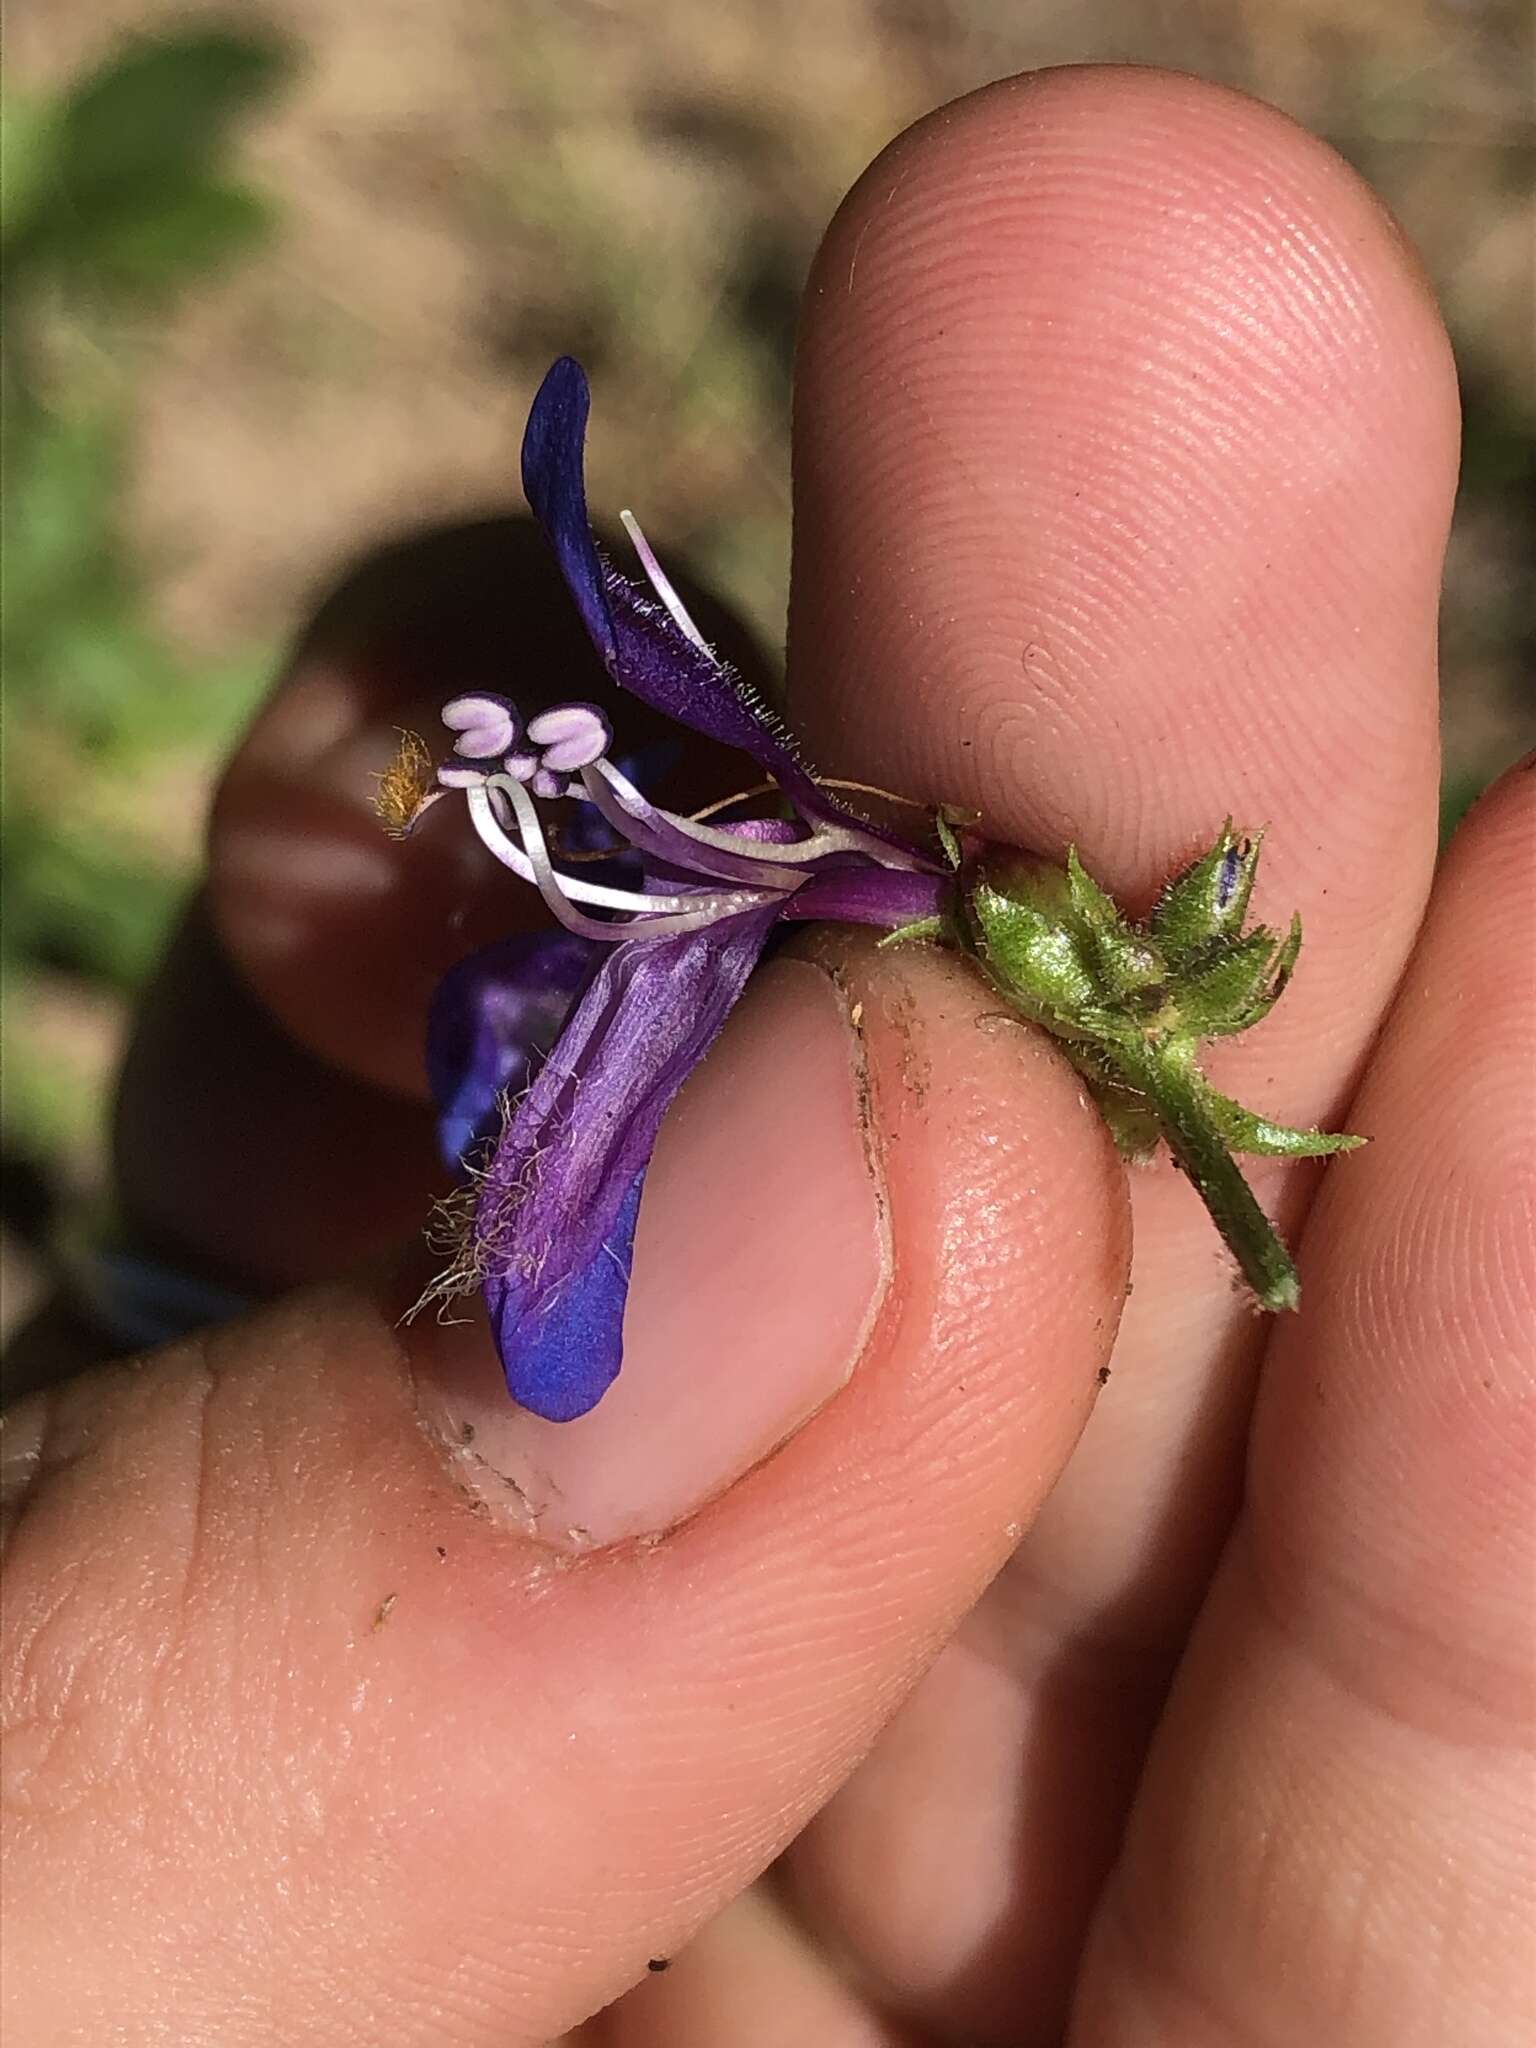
x,y
452,776
1231,866
571,736
521,767
548,784
486,726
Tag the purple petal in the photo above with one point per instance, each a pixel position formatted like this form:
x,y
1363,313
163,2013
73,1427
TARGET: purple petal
x,y
561,1364
553,483
493,1018
554,1216
866,894
642,647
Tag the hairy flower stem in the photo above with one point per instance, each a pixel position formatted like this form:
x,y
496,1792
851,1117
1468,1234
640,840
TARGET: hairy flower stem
x,y
1169,1079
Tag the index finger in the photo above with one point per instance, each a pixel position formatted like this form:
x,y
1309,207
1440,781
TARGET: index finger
x,y
1125,448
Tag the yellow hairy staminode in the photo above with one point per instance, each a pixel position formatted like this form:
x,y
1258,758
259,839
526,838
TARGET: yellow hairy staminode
x,y
404,786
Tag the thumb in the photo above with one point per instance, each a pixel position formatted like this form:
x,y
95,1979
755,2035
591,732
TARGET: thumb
x,y
337,1707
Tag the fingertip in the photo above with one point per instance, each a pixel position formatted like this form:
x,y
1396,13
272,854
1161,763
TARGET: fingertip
x,y
1114,388
1500,820
1353,1717
1125,448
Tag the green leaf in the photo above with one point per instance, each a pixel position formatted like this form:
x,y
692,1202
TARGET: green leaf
x,y
1245,1132
145,254
163,105
28,163
84,906
130,203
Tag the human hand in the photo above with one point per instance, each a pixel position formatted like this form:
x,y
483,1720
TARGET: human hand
x,y
1125,446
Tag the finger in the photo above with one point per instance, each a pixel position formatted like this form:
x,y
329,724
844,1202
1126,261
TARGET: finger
x,y
1125,438
1335,1841
318,1725
748,1979
238,1152
239,1159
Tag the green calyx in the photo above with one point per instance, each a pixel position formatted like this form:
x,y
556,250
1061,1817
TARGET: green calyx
x,y
1131,1004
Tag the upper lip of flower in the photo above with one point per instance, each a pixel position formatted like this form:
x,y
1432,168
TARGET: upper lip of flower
x,y
693,872
671,941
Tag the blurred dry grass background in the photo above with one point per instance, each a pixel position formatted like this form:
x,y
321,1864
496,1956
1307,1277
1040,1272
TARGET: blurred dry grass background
x,y
466,188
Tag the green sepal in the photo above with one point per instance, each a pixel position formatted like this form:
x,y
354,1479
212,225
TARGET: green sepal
x,y
1095,910
948,837
1281,970
1121,961
1245,1132
1032,946
1209,899
1133,1122
929,928
1240,983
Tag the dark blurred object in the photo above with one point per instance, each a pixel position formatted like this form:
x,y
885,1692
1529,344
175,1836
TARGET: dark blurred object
x,y
1488,624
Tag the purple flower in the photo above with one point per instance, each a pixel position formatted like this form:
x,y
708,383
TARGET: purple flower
x,y
554,1058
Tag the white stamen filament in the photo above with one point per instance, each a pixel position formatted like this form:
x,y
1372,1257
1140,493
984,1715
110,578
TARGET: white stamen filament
x,y
785,853
482,812
655,916
769,873
661,583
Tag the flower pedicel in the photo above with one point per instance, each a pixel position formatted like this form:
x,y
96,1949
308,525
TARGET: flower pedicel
x,y
553,1058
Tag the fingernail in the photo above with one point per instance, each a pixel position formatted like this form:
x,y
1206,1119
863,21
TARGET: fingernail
x,y
761,1260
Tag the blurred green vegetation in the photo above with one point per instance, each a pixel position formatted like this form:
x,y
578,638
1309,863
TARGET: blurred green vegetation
x,y
115,202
